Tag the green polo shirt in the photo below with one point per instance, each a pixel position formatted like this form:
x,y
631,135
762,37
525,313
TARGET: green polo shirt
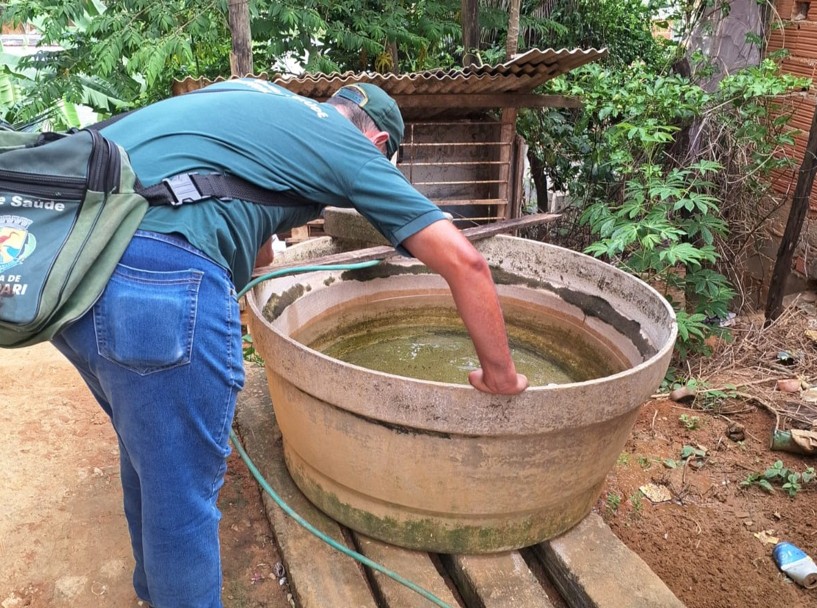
x,y
276,140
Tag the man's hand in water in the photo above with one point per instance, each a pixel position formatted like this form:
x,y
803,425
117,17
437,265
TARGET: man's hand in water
x,y
445,250
477,380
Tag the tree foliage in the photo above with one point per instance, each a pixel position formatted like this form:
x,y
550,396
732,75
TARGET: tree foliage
x,y
111,55
672,181
117,54
623,27
100,52
384,36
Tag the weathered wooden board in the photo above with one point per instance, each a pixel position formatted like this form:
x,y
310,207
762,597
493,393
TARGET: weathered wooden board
x,y
588,565
384,251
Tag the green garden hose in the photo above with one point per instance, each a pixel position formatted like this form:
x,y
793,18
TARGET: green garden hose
x,y
274,495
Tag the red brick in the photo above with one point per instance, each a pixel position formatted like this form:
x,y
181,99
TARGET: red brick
x,y
805,42
785,9
783,182
778,39
798,66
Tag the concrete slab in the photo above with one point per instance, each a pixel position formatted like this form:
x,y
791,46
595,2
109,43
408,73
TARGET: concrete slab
x,y
592,568
500,580
416,566
350,226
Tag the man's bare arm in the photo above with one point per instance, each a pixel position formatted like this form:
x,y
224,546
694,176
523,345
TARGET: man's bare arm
x,y
443,248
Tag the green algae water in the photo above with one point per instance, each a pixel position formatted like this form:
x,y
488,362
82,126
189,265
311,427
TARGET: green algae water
x,y
437,353
429,342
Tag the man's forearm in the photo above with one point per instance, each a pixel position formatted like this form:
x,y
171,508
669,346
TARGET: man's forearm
x,y
444,249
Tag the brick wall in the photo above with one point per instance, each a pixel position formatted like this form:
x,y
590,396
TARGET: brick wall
x,y
799,36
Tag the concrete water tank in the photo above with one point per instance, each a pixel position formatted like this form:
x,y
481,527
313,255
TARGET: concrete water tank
x,y
442,467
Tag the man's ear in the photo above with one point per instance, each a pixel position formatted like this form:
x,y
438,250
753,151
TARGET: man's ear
x,y
378,138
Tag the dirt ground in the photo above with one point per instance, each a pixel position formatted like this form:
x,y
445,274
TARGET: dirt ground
x,y
704,542
712,541
63,537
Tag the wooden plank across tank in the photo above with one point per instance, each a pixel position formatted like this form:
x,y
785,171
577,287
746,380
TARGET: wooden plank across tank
x,y
382,252
588,567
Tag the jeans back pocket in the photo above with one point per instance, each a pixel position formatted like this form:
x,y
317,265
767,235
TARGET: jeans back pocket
x,y
145,320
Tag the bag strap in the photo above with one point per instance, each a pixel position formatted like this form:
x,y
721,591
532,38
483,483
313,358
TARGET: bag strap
x,y
193,187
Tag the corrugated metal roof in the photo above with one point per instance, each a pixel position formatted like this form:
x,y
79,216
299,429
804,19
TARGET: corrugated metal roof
x,y
521,74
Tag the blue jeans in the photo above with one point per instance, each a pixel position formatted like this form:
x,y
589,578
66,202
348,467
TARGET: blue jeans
x,y
161,352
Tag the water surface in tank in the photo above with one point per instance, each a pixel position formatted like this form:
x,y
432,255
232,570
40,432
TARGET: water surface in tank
x,y
423,337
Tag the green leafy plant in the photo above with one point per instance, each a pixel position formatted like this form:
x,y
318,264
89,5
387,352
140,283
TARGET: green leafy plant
x,y
693,455
250,354
714,398
789,480
690,423
668,210
663,229
672,380
689,451
706,398
637,503
758,480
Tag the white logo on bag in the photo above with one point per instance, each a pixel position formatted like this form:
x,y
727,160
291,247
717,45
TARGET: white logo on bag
x,y
16,244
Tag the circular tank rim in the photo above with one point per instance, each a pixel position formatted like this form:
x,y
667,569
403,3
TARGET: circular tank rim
x,y
453,385
440,406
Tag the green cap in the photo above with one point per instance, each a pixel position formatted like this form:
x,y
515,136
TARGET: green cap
x,y
381,108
